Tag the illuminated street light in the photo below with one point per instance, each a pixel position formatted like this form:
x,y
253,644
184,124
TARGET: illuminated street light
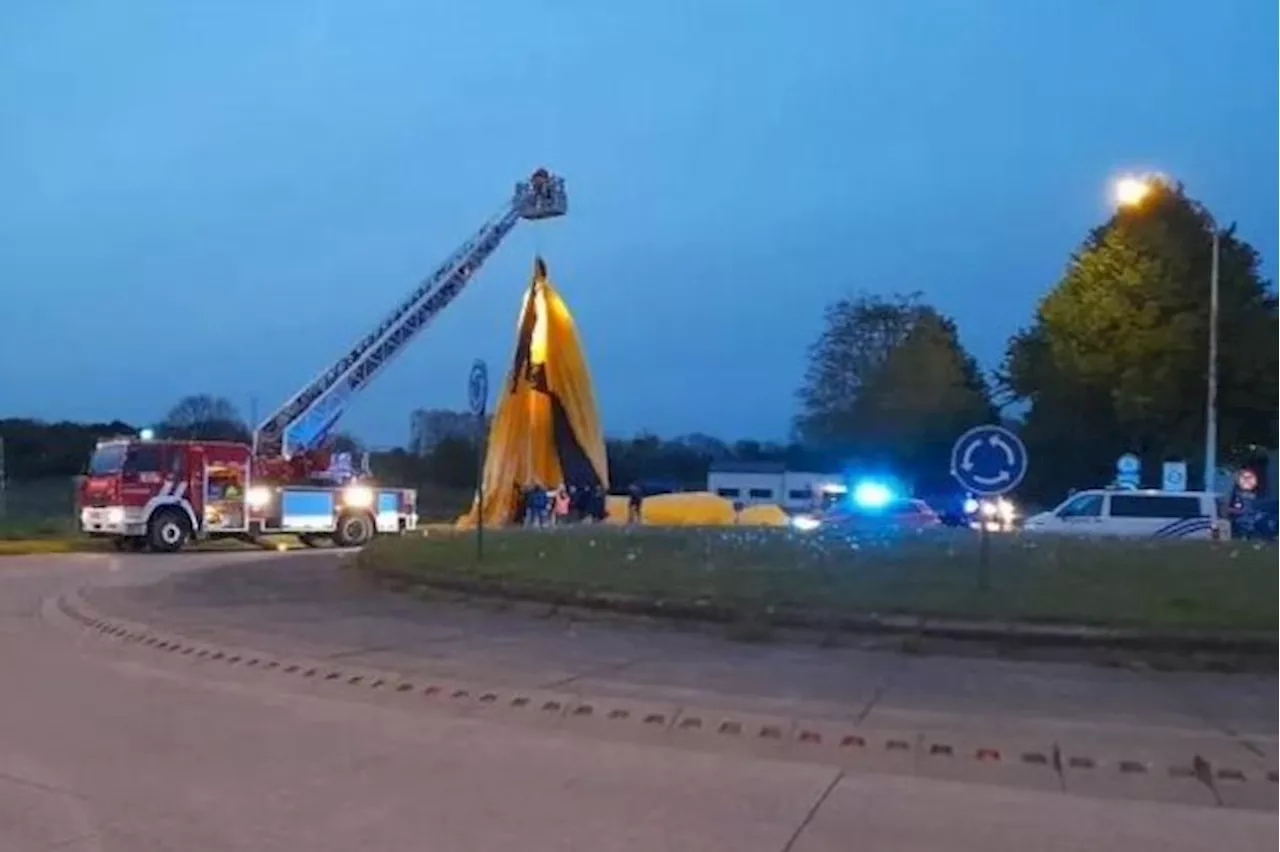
x,y
1131,191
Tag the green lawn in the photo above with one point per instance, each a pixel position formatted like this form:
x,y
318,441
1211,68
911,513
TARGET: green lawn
x,y
772,574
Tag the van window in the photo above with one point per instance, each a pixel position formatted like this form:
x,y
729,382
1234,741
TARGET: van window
x,y
728,493
1154,506
1082,506
761,493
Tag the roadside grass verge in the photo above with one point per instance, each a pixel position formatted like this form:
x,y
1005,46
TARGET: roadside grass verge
x,y
20,528
777,577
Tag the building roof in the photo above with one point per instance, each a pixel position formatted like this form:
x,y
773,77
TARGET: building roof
x,y
747,467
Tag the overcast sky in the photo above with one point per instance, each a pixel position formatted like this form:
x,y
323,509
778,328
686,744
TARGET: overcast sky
x,y
221,196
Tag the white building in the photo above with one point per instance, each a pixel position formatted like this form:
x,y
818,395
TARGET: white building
x,y
752,483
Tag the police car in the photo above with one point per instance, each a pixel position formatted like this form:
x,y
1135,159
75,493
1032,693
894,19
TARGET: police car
x,y
1137,513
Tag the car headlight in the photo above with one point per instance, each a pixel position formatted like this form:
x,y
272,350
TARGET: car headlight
x,y
1006,510
805,523
258,497
115,515
357,496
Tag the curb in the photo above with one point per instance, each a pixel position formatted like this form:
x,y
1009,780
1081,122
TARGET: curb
x,y
1247,643
1039,763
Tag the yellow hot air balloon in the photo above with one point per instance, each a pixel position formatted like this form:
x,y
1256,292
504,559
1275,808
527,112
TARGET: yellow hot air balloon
x,y
546,429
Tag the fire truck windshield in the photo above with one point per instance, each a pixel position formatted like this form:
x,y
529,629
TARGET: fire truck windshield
x,y
107,458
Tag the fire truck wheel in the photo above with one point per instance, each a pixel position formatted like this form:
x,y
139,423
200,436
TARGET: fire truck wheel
x,y
353,531
168,531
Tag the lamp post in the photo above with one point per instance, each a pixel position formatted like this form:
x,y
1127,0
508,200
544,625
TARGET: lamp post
x,y
1132,191
1211,393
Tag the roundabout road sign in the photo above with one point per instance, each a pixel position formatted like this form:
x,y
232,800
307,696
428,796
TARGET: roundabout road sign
x,y
988,460
478,387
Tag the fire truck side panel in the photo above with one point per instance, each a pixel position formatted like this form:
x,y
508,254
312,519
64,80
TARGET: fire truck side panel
x,y
306,510
315,510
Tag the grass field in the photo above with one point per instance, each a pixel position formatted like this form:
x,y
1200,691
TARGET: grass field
x,y
768,573
41,510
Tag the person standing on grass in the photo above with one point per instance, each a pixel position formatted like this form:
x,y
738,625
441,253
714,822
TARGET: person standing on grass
x,y
561,506
519,505
635,503
535,496
542,499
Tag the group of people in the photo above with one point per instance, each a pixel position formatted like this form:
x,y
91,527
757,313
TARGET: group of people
x,y
539,506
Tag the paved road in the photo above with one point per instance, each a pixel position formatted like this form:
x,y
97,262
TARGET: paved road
x,y
110,743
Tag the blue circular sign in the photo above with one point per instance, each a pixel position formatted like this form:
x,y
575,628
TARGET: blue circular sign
x,y
478,387
1128,463
989,460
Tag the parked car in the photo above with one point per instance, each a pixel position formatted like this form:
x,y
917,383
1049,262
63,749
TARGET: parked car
x,y
895,516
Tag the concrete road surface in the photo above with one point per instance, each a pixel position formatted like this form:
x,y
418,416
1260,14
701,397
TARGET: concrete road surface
x,y
193,734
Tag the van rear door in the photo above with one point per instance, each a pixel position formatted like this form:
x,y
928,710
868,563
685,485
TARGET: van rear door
x,y
1158,515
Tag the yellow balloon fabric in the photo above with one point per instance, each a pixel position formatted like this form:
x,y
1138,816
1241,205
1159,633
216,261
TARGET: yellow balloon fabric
x,y
695,509
546,428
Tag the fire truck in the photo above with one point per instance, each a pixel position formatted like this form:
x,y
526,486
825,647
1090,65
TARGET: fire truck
x,y
159,495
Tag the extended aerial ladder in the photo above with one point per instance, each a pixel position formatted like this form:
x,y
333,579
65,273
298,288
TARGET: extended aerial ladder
x,y
299,427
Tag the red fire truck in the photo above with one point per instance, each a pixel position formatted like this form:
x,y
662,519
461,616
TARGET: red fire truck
x,y
160,494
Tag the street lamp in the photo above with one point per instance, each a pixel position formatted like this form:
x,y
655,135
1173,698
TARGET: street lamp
x,y
1131,191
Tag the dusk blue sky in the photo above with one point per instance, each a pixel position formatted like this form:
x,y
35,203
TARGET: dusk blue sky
x,y
221,196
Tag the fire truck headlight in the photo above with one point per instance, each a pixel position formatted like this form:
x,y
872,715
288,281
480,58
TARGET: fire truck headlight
x,y
115,515
258,497
357,496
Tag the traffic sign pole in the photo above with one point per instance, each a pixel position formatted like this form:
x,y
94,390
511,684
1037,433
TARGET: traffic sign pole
x,y
478,397
988,461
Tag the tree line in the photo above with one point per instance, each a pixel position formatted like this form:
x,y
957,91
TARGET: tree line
x,y
39,450
1112,361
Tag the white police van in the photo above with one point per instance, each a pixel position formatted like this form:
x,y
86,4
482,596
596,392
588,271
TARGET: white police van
x,y
1145,513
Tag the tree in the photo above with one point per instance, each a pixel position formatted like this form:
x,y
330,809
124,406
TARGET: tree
x,y
888,383
1115,359
453,462
201,417
35,449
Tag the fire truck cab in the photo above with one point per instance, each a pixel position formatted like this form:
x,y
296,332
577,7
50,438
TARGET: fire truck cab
x,y
158,495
